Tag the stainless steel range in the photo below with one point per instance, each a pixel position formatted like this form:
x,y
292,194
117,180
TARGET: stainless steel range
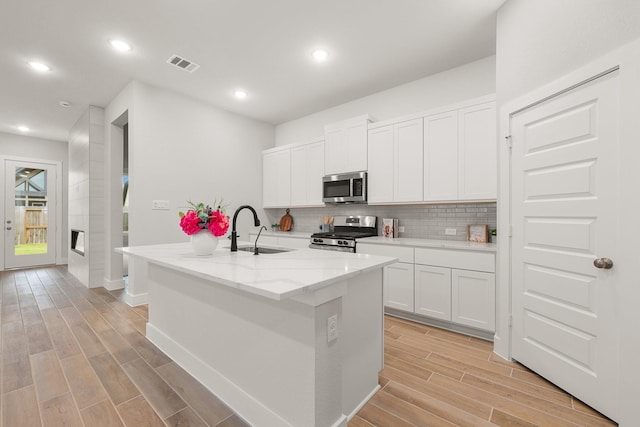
x,y
346,229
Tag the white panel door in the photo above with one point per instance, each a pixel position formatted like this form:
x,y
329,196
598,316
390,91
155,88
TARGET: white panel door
x,y
433,291
30,214
398,286
477,153
408,161
564,192
441,156
380,174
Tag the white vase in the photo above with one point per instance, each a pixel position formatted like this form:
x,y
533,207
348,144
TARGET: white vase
x,y
204,243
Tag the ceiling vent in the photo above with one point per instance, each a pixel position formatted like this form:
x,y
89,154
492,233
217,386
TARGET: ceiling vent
x,y
183,64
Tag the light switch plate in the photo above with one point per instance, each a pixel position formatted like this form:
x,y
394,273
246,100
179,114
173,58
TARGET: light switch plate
x,y
332,328
162,205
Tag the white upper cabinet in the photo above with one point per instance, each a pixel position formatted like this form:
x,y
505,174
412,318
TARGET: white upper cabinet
x,y
407,161
395,163
441,156
307,170
380,174
477,152
276,170
346,145
460,154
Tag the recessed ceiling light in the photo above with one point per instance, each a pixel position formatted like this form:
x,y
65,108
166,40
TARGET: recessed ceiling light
x,y
320,55
120,45
23,128
240,93
39,66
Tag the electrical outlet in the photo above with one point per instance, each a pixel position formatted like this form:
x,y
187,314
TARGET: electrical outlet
x,y
332,328
450,231
162,205
401,229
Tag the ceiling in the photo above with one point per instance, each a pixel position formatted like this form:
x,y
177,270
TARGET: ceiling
x,y
263,46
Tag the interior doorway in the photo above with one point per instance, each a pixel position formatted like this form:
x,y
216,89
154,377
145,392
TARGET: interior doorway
x,y
31,213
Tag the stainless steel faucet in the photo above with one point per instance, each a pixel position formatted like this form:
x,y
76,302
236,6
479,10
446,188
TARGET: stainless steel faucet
x,y
234,234
255,246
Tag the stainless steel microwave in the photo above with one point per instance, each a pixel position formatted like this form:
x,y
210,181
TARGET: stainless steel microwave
x,y
345,188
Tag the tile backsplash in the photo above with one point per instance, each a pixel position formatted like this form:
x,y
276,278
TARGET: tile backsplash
x,y
427,221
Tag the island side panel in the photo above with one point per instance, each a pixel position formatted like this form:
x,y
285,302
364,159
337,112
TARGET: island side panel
x,y
362,334
269,360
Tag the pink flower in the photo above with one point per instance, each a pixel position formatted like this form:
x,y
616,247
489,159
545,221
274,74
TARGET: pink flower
x,y
218,223
190,223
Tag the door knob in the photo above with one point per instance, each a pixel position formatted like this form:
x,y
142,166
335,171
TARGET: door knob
x,y
8,228
604,263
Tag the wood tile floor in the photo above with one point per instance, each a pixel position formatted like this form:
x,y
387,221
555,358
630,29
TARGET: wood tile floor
x,y
434,377
73,356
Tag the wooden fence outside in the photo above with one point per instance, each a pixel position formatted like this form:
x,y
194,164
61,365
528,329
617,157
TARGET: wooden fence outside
x,y
30,225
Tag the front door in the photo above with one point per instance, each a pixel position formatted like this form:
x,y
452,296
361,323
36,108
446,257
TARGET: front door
x,y
564,181
30,214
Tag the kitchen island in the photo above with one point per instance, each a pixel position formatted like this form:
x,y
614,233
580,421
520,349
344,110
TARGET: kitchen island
x,y
257,330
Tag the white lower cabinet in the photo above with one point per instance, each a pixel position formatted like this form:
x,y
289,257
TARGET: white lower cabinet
x,y
473,299
398,286
456,286
433,291
284,241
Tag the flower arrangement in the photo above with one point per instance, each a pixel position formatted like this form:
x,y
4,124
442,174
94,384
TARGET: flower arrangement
x,y
201,217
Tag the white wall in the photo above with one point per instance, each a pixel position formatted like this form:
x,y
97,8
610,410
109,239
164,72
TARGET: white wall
x,y
468,81
41,149
541,40
180,149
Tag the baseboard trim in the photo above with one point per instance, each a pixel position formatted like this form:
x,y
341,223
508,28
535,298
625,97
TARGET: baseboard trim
x,y
135,300
364,402
443,324
248,408
112,285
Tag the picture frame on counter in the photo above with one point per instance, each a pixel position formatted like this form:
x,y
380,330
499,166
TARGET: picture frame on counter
x,y
478,233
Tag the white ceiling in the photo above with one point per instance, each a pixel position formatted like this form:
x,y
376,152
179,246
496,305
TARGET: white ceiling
x,y
263,46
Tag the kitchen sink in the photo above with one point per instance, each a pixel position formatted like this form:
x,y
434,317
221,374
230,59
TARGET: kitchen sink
x,y
263,250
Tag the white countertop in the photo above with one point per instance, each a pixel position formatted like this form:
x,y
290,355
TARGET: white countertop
x,y
430,243
276,276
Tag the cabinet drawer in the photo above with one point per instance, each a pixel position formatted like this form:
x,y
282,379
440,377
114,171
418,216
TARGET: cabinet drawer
x,y
293,242
465,260
403,253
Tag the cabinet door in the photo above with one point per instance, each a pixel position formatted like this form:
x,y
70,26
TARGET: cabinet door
x,y
408,161
293,242
441,156
276,169
269,180
380,174
299,166
356,146
315,172
473,299
433,291
477,153
398,286
335,160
